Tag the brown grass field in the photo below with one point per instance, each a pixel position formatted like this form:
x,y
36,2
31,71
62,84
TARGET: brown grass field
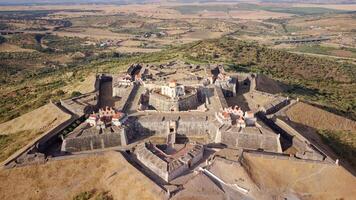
x,y
85,86
319,119
39,120
306,180
95,33
17,133
64,179
343,22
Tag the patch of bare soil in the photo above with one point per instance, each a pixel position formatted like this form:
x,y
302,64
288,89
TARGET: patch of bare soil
x,y
234,173
200,187
342,53
65,179
306,180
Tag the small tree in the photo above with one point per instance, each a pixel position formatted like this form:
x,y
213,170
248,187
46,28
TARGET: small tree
x,y
2,39
76,94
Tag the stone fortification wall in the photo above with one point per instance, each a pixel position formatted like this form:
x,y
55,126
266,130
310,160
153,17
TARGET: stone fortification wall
x,y
188,126
193,127
305,151
280,156
122,90
174,173
229,88
197,154
151,161
251,141
146,127
162,103
220,99
127,94
275,106
168,170
310,151
87,143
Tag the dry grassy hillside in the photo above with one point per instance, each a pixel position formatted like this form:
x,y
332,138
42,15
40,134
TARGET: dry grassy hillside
x,y
17,133
319,119
66,179
306,180
39,120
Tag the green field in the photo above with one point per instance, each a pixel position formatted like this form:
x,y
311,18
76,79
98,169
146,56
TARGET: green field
x,y
325,50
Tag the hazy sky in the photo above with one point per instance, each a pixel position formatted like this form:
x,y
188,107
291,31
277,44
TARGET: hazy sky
x,y
57,1
136,1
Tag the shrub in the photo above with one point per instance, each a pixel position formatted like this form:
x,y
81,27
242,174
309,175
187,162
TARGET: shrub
x,y
76,94
84,195
2,39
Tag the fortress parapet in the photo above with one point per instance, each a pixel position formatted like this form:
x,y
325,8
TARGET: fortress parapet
x,y
174,97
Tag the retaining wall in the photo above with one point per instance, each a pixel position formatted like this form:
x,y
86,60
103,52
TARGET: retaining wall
x,y
86,143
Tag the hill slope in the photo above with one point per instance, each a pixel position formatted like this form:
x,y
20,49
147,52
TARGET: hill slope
x,y
307,180
319,80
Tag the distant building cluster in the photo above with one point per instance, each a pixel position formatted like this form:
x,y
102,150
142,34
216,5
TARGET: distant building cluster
x,y
110,43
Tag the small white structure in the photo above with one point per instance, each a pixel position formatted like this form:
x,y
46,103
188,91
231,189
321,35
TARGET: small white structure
x,y
173,90
92,120
118,119
250,118
241,122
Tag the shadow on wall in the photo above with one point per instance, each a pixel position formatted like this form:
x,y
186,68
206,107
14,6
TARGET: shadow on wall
x,y
105,92
138,132
342,149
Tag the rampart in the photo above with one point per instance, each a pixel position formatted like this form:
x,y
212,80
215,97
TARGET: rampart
x,y
162,103
279,156
92,142
166,166
253,141
221,101
186,125
301,139
127,94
